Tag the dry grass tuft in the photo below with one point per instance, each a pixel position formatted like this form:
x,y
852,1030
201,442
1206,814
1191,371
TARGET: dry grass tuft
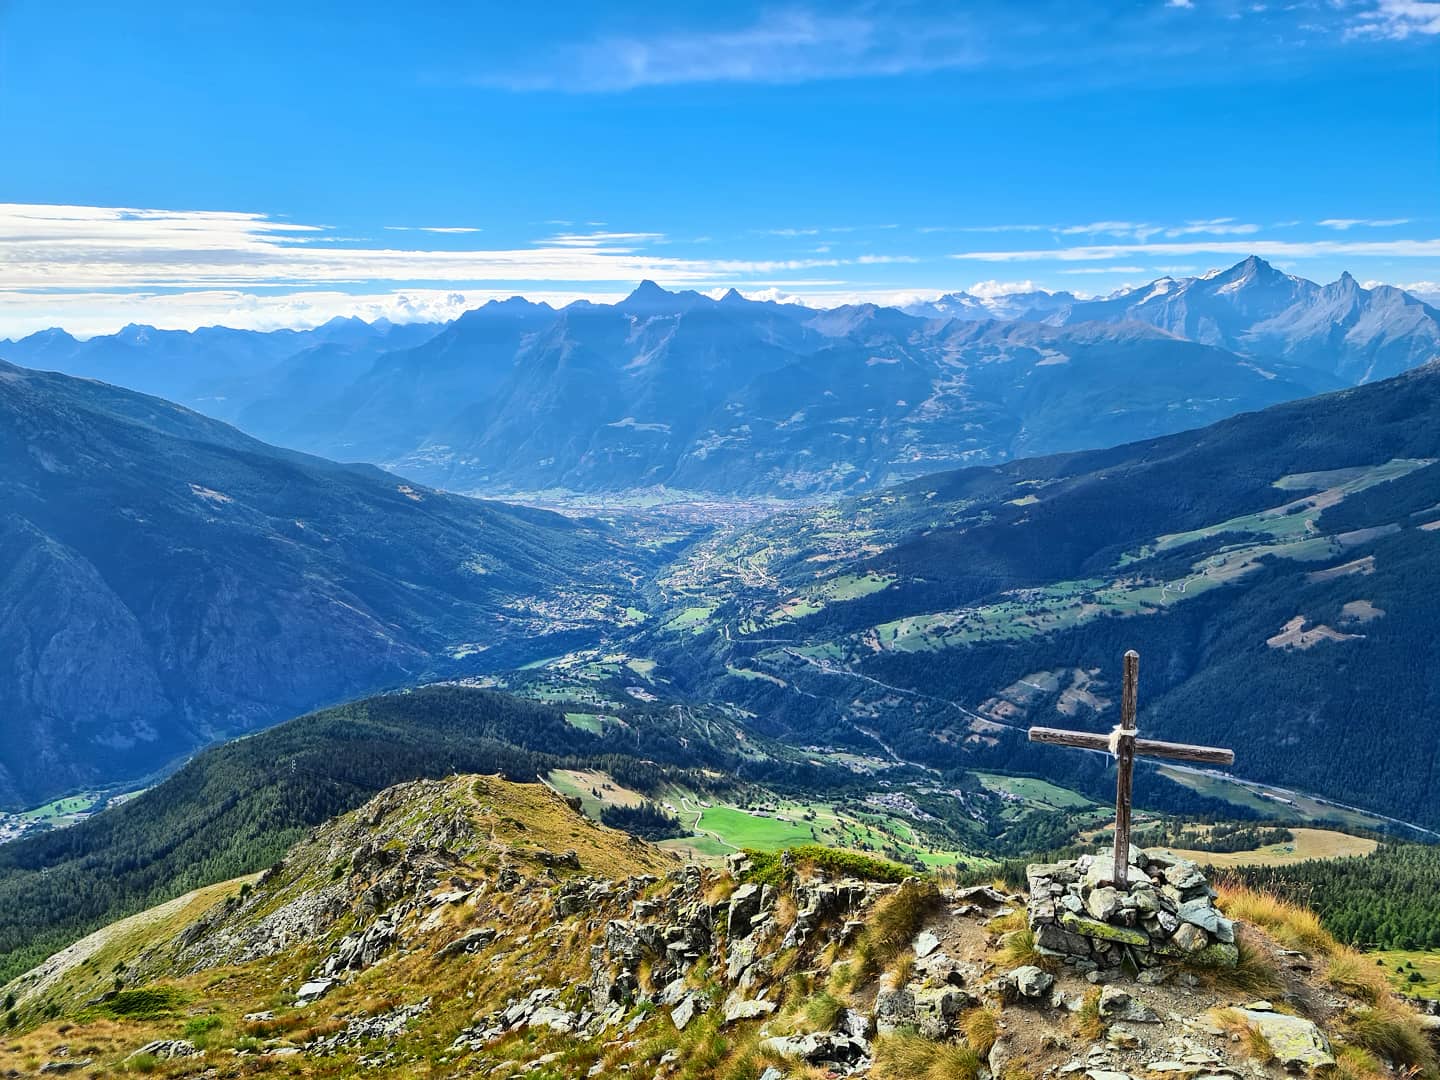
x,y
785,912
981,1027
1290,924
1018,947
1393,1032
720,889
1089,1024
1005,924
823,1012
901,968
1357,1063
907,1056
1254,972
893,924
1256,1045
1354,974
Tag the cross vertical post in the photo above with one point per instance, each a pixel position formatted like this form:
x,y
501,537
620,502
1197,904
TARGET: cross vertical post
x,y
1125,745
1125,758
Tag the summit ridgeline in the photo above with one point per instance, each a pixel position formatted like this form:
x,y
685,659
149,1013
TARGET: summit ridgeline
x,y
477,927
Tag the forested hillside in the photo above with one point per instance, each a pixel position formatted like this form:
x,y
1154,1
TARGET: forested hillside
x,y
1388,900
1276,572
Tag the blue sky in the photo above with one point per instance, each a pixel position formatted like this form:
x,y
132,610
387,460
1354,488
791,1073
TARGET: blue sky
x,y
188,164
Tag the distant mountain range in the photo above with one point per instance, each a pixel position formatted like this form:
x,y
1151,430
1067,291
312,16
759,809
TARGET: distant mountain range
x,y
735,396
166,581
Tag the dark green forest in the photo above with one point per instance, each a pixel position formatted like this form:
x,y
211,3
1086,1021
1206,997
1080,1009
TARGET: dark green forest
x,y
647,821
1386,900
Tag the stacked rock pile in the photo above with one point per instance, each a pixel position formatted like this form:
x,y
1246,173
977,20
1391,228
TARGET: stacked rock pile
x,y
1166,913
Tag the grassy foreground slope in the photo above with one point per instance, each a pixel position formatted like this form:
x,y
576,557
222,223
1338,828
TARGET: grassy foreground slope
x,y
473,926
236,808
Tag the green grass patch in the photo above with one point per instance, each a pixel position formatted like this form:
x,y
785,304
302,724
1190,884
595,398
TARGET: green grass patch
x,y
754,830
145,1003
1038,792
692,619
63,808
768,867
1416,973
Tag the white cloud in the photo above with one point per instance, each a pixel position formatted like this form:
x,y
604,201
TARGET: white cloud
x,y
988,289
1129,230
1186,4
1342,224
93,269
1426,290
1214,227
784,46
433,228
1396,20
65,247
605,240
880,260
1280,249
1143,231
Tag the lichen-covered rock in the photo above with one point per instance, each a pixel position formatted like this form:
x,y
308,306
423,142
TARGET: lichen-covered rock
x,y
1093,928
746,1009
821,1049
1297,1043
937,1008
166,1049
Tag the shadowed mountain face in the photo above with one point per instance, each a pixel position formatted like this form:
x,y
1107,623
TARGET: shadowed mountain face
x,y
166,580
215,368
738,397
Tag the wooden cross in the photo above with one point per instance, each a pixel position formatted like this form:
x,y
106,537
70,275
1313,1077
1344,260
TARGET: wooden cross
x,y
1124,744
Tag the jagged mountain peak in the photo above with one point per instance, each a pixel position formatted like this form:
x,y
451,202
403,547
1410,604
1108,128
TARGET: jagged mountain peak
x,y
648,289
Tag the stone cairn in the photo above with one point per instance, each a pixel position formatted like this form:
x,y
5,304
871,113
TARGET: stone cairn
x,y
1167,913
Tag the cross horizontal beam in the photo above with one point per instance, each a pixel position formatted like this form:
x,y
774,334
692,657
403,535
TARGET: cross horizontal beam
x,y
1206,755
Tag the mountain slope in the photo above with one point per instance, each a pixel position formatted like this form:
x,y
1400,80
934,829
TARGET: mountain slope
x,y
757,399
736,397
234,808
1275,570
168,580
476,926
214,367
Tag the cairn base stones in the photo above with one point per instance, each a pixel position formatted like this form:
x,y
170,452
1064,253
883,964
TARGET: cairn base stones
x,y
1165,912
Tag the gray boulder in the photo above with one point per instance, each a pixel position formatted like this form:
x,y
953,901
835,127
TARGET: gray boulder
x,y
1030,981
